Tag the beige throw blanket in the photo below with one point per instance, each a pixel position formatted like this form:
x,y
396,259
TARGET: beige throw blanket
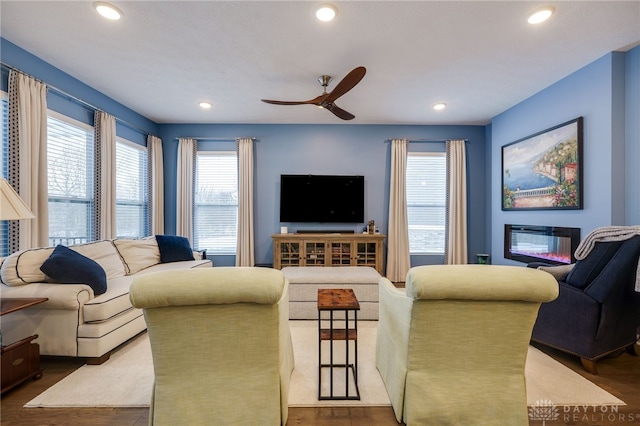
x,y
608,233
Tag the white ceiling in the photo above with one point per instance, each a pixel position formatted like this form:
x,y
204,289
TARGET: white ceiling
x,y
163,57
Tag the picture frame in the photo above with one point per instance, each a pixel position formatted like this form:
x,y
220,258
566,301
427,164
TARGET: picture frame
x,y
544,171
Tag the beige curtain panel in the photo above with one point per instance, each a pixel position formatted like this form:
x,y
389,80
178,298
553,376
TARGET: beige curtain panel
x,y
398,260
156,180
105,134
187,149
456,242
28,144
245,244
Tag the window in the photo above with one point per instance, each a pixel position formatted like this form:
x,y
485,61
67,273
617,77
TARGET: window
x,y
4,154
426,201
132,195
216,202
70,171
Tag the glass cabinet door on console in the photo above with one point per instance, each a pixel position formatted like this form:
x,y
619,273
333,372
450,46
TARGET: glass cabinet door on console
x,y
314,253
289,253
366,254
340,254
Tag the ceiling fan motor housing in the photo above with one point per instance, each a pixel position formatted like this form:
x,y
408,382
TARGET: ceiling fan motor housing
x,y
324,80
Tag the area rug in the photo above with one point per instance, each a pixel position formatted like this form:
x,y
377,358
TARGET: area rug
x,y
304,381
126,379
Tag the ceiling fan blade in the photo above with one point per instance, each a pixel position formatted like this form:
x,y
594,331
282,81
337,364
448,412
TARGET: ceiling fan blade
x,y
286,102
347,83
339,112
314,101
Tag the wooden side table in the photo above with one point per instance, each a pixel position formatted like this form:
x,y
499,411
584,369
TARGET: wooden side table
x,y
21,359
342,300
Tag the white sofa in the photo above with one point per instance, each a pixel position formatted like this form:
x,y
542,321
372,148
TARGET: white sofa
x,y
74,321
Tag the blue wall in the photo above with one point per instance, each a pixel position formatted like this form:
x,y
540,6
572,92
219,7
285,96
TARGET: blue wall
x,y
632,136
328,149
599,92
64,88
606,93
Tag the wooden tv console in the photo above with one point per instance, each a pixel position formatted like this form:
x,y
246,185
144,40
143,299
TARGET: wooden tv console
x,y
334,249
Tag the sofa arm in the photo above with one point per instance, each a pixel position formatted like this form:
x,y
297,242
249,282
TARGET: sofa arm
x,y
480,282
61,296
202,286
392,342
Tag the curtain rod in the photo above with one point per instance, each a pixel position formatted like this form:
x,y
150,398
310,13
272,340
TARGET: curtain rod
x,y
76,99
213,139
429,140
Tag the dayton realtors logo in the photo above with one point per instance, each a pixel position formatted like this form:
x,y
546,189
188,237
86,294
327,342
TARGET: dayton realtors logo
x,y
544,410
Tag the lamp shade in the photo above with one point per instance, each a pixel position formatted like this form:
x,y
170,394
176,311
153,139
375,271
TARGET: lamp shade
x,y
11,205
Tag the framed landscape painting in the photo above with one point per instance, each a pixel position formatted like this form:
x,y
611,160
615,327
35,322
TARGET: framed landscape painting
x,y
544,171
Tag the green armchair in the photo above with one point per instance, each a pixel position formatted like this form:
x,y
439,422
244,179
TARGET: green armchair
x,y
451,347
221,345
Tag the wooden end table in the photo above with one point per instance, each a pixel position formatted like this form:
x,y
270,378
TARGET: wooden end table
x,y
21,359
338,300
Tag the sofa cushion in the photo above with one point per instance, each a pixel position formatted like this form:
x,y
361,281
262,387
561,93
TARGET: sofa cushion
x,y
306,280
174,248
110,304
23,267
105,254
116,300
177,266
338,274
587,269
138,254
70,267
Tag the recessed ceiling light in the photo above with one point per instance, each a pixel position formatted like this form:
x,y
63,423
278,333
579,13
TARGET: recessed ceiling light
x,y
107,10
439,106
326,12
541,15
205,105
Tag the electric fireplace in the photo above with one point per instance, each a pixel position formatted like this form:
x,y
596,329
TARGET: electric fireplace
x,y
551,244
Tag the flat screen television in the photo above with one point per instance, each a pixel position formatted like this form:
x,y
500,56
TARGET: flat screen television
x,y
322,198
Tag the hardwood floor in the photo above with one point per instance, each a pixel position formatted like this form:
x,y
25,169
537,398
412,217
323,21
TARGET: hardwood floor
x,y
619,376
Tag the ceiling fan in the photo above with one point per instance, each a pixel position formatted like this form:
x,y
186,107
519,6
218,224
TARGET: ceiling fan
x,y
326,100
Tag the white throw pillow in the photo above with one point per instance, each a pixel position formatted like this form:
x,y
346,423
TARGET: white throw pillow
x,y
105,254
559,272
138,254
23,267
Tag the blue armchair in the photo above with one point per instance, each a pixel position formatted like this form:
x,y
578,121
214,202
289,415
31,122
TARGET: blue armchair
x,y
597,312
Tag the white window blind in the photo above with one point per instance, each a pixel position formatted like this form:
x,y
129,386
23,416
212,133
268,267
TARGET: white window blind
x,y
4,155
132,199
426,201
4,149
70,171
216,202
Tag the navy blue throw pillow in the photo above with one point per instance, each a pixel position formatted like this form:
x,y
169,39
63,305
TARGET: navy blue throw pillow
x,y
588,269
174,248
70,267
